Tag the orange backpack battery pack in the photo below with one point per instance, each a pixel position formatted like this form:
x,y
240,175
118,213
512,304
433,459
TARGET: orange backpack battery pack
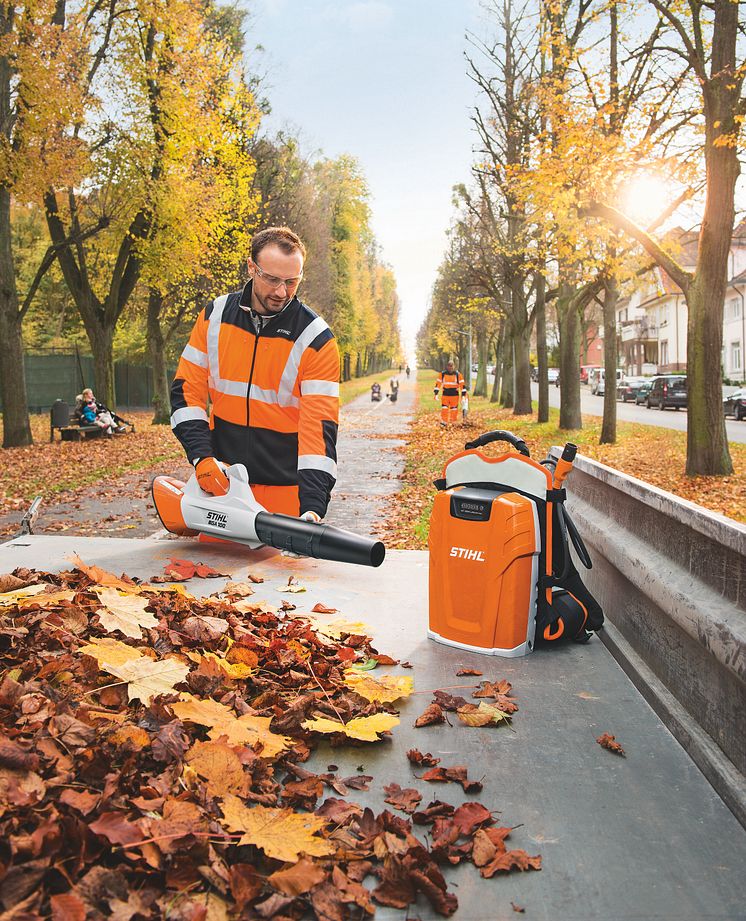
x,y
492,576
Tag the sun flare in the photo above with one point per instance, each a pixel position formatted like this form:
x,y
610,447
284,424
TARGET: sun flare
x,y
646,197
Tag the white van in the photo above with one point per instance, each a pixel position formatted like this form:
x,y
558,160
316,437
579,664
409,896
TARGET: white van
x,y
597,380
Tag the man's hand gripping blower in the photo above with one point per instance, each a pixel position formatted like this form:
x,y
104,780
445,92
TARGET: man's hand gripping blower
x,y
186,509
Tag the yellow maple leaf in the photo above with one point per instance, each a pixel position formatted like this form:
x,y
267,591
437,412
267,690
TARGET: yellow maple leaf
x,y
145,677
232,669
21,593
385,689
219,766
243,730
124,612
36,594
364,728
110,652
336,628
482,716
280,833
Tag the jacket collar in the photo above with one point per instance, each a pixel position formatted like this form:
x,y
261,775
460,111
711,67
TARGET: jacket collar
x,y
260,319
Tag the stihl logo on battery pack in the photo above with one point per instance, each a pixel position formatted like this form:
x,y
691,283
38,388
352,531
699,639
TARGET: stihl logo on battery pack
x,y
217,519
463,553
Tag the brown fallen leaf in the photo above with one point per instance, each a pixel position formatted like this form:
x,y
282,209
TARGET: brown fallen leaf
x,y
297,879
455,774
517,908
468,671
609,742
407,799
427,760
510,860
433,714
320,608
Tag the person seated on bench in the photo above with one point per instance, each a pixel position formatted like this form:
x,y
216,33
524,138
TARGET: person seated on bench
x,y
91,412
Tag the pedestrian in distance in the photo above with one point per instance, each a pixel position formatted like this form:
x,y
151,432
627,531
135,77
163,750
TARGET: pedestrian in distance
x,y
451,383
269,367
408,372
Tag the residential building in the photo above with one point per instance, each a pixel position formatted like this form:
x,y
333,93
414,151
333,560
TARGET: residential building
x,y
652,323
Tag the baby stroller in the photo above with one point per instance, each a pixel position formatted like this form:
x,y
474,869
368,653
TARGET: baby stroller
x,y
375,393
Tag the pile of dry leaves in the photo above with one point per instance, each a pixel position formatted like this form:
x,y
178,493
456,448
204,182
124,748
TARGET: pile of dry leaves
x,y
152,750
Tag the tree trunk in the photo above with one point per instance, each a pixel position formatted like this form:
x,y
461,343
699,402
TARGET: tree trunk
x,y
522,397
101,339
495,395
483,343
611,297
157,351
707,451
541,348
707,441
506,389
16,426
568,321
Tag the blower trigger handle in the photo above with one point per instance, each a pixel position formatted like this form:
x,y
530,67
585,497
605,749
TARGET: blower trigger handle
x,y
499,435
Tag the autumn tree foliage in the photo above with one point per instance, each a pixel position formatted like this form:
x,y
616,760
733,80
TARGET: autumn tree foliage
x,y
41,92
705,37
326,201
166,124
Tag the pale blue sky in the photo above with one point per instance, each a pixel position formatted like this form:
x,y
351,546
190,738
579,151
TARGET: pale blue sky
x,y
383,80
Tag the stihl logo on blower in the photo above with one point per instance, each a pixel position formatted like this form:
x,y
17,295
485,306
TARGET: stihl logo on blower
x,y
463,553
217,519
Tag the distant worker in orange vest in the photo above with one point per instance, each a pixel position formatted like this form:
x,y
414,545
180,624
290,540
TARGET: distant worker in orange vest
x,y
451,382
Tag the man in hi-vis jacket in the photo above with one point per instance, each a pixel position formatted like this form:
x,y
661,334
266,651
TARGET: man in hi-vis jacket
x,y
451,383
269,367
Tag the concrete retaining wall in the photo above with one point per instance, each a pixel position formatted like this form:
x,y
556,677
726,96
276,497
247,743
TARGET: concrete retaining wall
x,y
671,578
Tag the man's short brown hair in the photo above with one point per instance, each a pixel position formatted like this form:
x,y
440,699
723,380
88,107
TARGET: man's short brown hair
x,y
283,237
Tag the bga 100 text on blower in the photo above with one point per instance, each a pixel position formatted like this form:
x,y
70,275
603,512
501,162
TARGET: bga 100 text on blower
x,y
186,509
501,575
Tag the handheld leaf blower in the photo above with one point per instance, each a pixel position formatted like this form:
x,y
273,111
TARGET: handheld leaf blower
x,y
501,575
186,509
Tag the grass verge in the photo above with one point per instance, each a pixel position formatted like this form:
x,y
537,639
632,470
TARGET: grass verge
x,y
655,455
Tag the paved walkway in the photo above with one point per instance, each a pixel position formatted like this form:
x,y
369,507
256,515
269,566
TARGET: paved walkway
x,y
370,457
370,464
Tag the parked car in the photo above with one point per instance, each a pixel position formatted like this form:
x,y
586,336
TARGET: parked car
x,y
627,388
735,404
669,390
642,391
552,375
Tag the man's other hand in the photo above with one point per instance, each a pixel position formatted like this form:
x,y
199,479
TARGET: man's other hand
x,y
211,476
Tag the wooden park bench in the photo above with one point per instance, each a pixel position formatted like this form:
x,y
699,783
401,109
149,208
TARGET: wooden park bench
x,y
62,418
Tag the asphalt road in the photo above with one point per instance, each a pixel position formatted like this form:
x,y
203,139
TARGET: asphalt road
x,y
670,418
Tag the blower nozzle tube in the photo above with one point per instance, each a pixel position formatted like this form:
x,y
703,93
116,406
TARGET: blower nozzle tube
x,y
320,541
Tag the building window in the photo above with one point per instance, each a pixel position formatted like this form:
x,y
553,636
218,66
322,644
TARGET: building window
x,y
736,308
664,352
735,356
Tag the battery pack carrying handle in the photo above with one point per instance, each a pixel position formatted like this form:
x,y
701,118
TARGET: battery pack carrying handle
x,y
499,435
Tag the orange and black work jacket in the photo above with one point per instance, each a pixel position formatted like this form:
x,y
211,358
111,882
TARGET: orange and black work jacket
x,y
273,386
452,383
